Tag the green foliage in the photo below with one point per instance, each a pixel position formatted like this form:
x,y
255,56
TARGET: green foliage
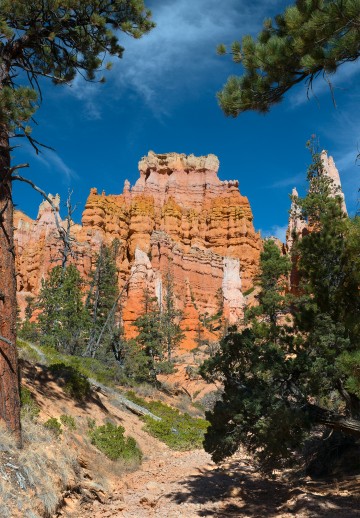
x,y
57,39
29,407
54,426
249,291
110,439
68,421
28,331
73,382
63,320
179,431
283,377
348,363
170,318
91,423
101,303
150,338
89,367
308,39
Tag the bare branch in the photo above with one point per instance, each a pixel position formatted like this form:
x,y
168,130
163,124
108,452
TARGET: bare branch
x,y
6,341
16,167
45,196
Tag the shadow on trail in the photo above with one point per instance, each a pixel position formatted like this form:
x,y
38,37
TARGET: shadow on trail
x,y
243,492
48,383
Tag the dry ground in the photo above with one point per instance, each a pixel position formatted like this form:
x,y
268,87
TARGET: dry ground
x,y
173,484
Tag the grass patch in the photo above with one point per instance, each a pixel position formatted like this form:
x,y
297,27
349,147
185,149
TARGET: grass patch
x,y
179,431
68,421
110,439
53,426
88,367
29,407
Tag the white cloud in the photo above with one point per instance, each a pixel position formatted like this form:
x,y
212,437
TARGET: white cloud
x,y
277,231
180,53
51,160
290,181
87,93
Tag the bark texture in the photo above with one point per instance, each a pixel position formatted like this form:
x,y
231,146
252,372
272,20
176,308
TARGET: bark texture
x,y
9,373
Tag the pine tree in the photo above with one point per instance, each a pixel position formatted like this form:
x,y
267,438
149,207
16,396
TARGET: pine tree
x,y
41,39
26,329
150,337
63,321
170,318
103,295
309,39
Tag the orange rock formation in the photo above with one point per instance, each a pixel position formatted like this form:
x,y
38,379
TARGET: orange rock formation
x,y
178,217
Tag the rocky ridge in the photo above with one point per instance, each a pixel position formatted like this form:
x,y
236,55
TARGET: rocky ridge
x,y
178,217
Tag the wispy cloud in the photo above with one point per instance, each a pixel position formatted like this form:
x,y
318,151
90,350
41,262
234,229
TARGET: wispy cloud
x,y
290,181
177,55
53,161
345,147
174,60
88,93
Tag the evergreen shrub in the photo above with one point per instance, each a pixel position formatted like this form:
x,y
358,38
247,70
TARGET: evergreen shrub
x,y
110,440
178,430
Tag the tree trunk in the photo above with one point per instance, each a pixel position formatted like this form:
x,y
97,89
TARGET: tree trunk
x,y
9,372
347,425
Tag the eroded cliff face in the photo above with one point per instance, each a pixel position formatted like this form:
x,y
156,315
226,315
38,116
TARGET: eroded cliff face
x,y
178,218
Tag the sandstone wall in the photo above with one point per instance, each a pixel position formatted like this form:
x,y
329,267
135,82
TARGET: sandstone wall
x,y
178,217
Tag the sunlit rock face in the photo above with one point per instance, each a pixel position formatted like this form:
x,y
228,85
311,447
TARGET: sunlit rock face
x,y
178,218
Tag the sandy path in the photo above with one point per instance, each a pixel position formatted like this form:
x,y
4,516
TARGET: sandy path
x,y
187,484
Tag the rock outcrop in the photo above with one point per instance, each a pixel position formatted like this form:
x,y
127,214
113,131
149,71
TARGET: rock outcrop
x,y
178,217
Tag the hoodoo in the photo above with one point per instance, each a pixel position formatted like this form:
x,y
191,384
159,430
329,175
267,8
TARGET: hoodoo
x,y
178,217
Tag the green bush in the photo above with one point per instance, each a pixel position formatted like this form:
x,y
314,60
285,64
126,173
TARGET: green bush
x,y
178,430
73,382
29,406
110,439
68,421
54,426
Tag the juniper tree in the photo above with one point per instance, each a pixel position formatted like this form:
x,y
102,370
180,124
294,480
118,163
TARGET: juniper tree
x,y
310,38
39,40
251,365
283,379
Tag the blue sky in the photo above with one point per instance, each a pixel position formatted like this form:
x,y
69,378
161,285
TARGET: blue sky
x,y
161,97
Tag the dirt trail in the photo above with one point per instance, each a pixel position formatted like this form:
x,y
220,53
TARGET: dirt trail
x,y
172,484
